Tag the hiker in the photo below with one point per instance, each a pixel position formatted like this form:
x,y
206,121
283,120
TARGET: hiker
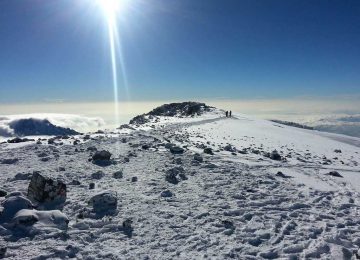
x,y
226,113
230,113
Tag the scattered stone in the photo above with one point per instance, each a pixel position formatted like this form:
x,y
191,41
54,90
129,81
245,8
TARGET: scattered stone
x,y
230,148
178,161
91,149
274,155
166,194
101,156
335,174
134,179
337,151
97,175
172,174
176,150
61,169
208,150
118,174
9,161
145,147
280,174
22,176
75,182
104,201
19,140
3,250
43,189
91,186
197,157
3,193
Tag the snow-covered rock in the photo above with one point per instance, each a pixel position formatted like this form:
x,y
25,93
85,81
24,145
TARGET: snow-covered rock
x,y
50,218
11,205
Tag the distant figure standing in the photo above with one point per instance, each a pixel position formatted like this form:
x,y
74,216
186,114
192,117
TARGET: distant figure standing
x,y
230,113
226,113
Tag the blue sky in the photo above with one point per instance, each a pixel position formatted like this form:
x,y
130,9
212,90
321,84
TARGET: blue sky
x,y
180,49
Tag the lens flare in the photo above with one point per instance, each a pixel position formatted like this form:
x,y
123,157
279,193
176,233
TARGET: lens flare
x,y
111,9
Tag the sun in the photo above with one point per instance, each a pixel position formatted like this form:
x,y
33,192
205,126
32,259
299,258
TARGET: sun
x,y
112,7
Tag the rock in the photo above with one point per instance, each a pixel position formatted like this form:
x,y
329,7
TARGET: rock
x,y
145,146
118,174
45,190
3,193
22,176
61,169
335,174
178,161
229,148
12,205
166,194
19,140
75,182
176,150
9,161
280,174
197,157
3,250
127,224
97,175
91,149
134,179
171,175
104,201
168,145
48,218
337,151
208,150
274,155
101,156
91,186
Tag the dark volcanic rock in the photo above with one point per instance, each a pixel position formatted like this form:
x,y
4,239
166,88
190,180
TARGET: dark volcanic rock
x,y
335,174
172,109
43,189
176,150
101,156
208,150
274,155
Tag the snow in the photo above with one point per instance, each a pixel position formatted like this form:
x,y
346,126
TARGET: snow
x,y
228,205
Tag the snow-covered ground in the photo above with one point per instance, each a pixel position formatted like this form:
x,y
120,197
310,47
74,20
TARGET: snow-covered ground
x,y
232,204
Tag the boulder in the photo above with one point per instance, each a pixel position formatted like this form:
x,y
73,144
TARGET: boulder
x,y
11,205
176,150
335,174
274,155
46,218
166,194
104,201
118,174
197,157
3,193
101,156
172,174
208,150
97,175
45,190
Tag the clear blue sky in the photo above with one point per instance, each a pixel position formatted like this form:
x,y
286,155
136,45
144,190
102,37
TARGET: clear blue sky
x,y
181,49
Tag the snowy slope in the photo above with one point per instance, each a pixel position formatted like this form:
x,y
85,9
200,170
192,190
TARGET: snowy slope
x,y
232,204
